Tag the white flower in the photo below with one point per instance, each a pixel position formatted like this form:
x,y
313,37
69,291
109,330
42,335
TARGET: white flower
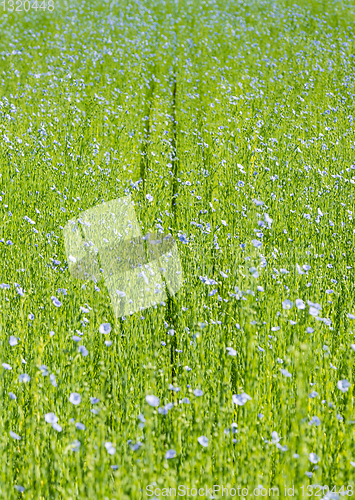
x,y
111,450
256,243
75,445
314,420
152,400
56,302
313,458
75,398
105,328
268,220
6,366
343,385
83,350
231,351
24,377
149,197
184,400
286,372
275,437
12,340
313,394
15,436
240,399
287,304
299,269
172,388
51,418
198,392
170,454
314,304
313,311
254,272
29,220
203,441
300,304
208,281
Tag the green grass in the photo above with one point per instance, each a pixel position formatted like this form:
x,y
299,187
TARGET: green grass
x,y
180,94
